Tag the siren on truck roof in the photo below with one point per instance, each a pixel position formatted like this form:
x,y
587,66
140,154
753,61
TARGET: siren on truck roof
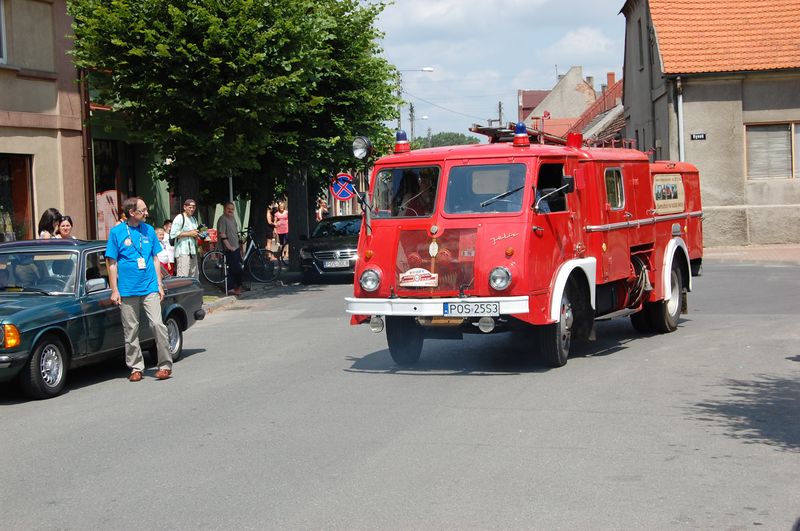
x,y
521,138
401,144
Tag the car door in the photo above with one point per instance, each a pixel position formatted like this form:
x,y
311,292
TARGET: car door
x,y
102,318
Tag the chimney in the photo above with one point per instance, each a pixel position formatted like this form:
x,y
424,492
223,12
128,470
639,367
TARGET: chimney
x,y
590,81
603,88
611,78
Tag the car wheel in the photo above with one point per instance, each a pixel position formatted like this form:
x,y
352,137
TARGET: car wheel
x,y
174,337
45,374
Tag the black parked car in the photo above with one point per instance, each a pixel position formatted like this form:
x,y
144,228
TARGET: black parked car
x,y
331,251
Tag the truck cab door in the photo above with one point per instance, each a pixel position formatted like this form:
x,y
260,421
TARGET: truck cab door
x,y
553,230
619,196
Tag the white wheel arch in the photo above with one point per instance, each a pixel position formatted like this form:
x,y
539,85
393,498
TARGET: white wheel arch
x,y
588,266
666,269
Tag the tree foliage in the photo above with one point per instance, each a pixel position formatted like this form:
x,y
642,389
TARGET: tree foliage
x,y
241,87
444,139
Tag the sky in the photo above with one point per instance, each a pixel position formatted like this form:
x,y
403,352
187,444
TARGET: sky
x,y
483,51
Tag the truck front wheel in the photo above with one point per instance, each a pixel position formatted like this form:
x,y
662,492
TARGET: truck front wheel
x,y
554,339
405,337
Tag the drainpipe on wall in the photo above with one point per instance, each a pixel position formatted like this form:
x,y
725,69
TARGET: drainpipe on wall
x,y
679,90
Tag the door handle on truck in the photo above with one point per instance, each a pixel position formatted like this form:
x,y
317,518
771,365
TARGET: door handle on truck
x,y
628,215
537,229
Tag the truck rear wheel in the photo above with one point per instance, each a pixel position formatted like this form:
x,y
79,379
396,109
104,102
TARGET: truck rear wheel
x,y
641,321
405,337
554,339
664,315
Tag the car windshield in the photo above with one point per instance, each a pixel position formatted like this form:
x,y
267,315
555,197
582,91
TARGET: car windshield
x,y
493,188
337,227
405,192
38,271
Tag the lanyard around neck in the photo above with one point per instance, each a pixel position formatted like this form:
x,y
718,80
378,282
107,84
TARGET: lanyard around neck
x,y
139,250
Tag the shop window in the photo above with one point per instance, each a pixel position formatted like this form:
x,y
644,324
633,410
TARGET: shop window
x,y
16,198
769,150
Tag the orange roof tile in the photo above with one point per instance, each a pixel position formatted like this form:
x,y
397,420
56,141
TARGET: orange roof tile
x,y
697,36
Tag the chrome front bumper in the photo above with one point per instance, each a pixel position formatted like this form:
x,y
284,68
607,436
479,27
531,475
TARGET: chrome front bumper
x,y
428,307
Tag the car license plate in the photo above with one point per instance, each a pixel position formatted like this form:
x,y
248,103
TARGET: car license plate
x,y
471,309
331,264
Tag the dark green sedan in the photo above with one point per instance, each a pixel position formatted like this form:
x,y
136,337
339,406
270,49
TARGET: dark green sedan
x,y
56,312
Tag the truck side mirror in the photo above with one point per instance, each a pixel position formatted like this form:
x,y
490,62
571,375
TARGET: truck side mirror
x,y
568,183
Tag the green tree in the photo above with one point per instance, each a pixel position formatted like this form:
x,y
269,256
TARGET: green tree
x,y
253,89
444,139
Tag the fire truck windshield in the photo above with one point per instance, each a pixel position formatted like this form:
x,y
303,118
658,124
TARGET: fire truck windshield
x,y
405,192
485,189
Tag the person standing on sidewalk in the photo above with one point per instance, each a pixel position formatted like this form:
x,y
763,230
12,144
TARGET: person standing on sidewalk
x,y
228,235
184,232
136,284
281,218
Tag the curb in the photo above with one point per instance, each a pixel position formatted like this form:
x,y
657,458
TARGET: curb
x,y
221,302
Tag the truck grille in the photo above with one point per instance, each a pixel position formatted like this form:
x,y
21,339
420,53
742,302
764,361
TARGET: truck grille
x,y
451,269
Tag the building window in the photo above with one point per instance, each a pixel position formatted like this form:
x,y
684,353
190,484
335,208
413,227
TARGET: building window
x,y
615,194
3,54
16,198
769,151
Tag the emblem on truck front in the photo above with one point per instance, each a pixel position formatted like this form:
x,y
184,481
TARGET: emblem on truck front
x,y
418,277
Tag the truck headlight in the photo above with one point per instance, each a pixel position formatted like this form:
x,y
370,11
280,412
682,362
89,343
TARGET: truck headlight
x,y
370,280
500,278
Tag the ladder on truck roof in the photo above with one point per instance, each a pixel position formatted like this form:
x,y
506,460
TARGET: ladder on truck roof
x,y
506,134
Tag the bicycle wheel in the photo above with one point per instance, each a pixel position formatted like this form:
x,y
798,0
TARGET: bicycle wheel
x,y
260,267
213,267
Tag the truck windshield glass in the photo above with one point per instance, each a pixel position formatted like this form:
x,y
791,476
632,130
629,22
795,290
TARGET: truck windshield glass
x,y
405,192
485,189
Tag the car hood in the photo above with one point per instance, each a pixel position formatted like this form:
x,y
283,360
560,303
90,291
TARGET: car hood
x,y
331,243
21,303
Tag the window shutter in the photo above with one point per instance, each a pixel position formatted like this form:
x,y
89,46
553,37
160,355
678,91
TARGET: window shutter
x,y
769,151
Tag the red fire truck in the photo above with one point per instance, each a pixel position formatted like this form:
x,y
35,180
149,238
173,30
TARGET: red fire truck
x,y
527,231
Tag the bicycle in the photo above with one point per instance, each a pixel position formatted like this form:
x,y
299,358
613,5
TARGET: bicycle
x,y
257,261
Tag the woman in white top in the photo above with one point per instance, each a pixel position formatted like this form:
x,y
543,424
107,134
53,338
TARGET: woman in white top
x,y
65,228
48,223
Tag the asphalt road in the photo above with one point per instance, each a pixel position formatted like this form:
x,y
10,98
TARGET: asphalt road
x,y
283,416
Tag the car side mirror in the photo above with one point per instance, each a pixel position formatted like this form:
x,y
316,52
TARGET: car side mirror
x,y
568,183
96,284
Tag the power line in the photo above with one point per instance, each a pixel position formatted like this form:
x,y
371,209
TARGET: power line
x,y
444,108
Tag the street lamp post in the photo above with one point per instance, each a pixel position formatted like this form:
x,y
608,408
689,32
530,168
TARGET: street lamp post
x,y
400,91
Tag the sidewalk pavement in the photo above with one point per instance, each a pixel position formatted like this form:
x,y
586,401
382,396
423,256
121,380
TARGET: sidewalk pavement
x,y
758,254
214,299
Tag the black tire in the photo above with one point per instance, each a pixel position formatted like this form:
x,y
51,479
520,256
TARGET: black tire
x,y
45,374
641,321
259,267
404,337
213,267
664,315
555,339
174,337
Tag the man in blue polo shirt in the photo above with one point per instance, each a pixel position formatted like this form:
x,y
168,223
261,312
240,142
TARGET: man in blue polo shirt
x,y
136,284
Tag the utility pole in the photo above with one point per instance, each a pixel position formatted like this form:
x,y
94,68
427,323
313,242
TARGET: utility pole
x,y
500,113
411,119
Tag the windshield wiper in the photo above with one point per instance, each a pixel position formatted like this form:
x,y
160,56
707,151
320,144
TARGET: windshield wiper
x,y
501,196
25,288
